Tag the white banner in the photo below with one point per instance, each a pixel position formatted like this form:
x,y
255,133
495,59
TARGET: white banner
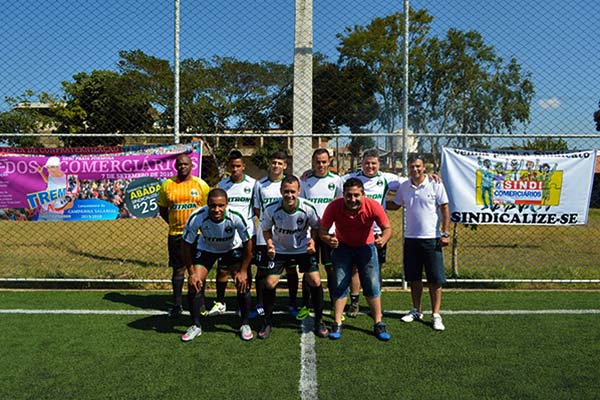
x,y
518,187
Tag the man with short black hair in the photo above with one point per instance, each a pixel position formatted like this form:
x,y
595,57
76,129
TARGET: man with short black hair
x,y
239,188
286,225
426,207
224,239
267,191
354,244
321,187
177,198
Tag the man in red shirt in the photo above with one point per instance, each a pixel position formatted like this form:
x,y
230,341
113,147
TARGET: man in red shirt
x,y
354,244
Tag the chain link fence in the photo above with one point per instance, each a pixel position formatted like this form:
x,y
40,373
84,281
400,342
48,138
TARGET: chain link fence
x,y
512,74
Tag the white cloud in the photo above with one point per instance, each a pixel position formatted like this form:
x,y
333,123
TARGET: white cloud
x,y
551,103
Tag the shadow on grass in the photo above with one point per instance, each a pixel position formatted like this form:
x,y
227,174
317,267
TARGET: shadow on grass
x,y
97,257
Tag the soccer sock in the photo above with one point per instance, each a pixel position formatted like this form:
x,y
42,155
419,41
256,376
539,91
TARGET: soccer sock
x,y
354,298
244,302
305,292
317,298
221,286
192,297
177,282
197,302
260,289
292,281
269,296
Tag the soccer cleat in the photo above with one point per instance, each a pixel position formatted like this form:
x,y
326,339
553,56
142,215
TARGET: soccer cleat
x,y
412,315
175,311
321,330
381,332
293,309
437,323
246,332
303,313
217,309
192,332
265,331
258,311
353,310
336,331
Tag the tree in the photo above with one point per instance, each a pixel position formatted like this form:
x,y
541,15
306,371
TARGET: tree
x,y
23,118
458,84
103,102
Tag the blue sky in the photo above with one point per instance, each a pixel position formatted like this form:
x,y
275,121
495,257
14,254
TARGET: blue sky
x,y
45,43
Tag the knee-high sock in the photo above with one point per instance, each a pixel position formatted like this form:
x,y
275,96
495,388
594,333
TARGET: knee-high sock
x,y
260,289
245,302
221,286
269,296
192,295
292,281
305,292
177,282
317,298
197,302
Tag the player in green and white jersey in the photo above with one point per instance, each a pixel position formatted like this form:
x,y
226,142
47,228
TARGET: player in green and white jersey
x,y
224,239
239,188
321,187
267,191
376,184
286,225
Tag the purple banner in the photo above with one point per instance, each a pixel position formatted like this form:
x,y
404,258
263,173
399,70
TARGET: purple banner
x,y
55,187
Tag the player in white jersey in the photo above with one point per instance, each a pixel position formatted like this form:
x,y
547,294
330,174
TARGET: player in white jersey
x,y
377,184
286,225
321,187
224,238
239,188
267,191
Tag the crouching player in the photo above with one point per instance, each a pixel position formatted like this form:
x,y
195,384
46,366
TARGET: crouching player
x,y
285,225
223,238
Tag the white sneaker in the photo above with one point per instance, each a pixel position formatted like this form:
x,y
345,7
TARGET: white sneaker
x,y
438,325
246,332
217,309
412,316
192,332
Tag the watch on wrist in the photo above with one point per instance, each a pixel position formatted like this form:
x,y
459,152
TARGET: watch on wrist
x,y
445,235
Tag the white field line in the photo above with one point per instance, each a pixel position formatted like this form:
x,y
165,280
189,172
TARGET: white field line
x,y
388,312
308,386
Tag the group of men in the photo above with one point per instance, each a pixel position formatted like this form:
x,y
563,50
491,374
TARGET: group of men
x,y
339,222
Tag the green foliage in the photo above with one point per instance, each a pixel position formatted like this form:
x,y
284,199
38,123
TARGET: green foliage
x,y
262,156
103,102
25,118
542,143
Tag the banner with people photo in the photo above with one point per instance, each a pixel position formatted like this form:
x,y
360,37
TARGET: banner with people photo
x,y
518,187
95,183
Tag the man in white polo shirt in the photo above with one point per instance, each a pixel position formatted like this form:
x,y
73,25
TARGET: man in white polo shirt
x,y
426,206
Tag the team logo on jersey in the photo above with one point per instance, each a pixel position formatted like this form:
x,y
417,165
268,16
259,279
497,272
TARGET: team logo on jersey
x,y
300,221
228,229
194,193
379,182
247,190
331,187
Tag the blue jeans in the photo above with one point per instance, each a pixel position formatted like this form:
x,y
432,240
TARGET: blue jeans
x,y
365,258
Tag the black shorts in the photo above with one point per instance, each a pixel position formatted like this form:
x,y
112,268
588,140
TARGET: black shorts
x,y
305,262
174,246
227,261
260,256
424,254
323,254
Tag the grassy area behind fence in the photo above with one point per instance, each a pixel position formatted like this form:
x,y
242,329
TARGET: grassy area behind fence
x,y
136,249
